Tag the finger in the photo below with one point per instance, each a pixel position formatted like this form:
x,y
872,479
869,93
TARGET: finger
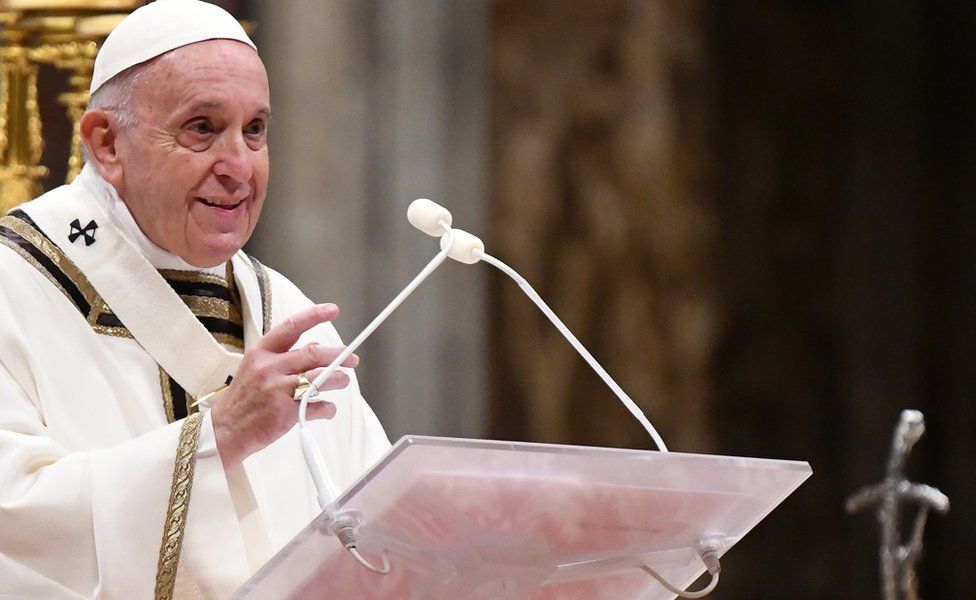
x,y
284,335
312,356
311,375
320,410
336,381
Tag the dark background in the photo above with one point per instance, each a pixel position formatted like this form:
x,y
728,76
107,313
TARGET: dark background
x,y
849,245
831,145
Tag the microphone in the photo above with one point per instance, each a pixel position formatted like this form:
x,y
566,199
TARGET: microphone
x,y
427,215
430,217
466,248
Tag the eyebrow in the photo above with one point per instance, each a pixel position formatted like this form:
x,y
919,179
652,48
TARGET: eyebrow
x,y
204,106
199,106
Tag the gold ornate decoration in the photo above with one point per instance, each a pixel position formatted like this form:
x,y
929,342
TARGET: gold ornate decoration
x,y
72,5
78,57
20,123
164,385
179,506
66,35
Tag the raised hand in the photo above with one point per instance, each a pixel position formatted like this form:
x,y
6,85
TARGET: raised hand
x,y
259,406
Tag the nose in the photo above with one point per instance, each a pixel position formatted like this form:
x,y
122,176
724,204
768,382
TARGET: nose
x,y
233,165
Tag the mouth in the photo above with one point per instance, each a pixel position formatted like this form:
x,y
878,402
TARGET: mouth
x,y
226,205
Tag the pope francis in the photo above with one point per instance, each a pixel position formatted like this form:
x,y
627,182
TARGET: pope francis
x,y
148,366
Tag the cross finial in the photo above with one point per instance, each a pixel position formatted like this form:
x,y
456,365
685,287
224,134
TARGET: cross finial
x,y
897,560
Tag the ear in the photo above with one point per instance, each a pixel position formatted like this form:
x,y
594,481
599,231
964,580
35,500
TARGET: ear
x,y
99,136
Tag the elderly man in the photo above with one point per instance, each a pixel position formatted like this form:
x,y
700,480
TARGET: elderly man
x,y
126,300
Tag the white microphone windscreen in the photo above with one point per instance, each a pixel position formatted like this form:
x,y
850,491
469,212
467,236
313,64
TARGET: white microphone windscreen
x,y
426,214
464,247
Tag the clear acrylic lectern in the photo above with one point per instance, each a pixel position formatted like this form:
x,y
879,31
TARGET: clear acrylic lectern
x,y
499,520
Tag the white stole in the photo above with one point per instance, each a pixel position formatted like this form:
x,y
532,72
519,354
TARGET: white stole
x,y
122,276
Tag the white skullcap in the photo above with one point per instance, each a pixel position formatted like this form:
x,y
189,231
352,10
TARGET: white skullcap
x,y
159,27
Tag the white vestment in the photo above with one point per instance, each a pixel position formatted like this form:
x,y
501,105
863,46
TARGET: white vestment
x,y
88,455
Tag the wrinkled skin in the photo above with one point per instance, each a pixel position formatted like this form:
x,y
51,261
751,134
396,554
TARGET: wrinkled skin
x,y
192,168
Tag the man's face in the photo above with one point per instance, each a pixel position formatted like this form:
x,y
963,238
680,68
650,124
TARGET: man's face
x,y
195,159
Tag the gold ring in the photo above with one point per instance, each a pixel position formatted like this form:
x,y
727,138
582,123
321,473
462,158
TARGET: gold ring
x,y
303,385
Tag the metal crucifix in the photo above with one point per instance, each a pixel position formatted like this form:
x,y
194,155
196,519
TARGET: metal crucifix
x,y
897,560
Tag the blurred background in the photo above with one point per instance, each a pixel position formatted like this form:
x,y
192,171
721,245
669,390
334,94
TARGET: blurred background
x,y
756,214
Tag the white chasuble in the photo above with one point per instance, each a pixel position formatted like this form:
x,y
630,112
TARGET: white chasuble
x,y
110,482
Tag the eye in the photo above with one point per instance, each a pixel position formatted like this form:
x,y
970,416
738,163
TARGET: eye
x,y
256,128
200,127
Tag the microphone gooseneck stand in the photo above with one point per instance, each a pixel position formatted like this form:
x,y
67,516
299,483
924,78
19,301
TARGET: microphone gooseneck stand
x,y
435,220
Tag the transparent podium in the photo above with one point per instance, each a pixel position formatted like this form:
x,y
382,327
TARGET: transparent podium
x,y
493,520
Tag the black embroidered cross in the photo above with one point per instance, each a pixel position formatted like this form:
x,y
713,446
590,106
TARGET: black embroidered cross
x,y
88,232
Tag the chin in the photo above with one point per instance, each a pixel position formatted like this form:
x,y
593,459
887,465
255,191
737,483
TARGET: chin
x,y
213,256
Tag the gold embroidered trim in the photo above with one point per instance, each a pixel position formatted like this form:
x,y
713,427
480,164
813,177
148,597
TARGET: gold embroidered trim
x,y
206,306
29,258
72,272
200,309
54,253
193,277
229,339
167,395
120,332
179,506
97,309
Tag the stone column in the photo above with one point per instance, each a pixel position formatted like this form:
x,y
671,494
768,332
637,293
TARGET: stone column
x,y
376,104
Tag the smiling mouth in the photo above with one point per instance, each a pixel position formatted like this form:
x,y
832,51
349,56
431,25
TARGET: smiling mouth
x,y
221,205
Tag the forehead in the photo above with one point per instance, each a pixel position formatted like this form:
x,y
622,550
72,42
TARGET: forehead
x,y
213,71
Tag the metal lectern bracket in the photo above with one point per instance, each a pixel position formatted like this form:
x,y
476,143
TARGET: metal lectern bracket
x,y
345,526
709,550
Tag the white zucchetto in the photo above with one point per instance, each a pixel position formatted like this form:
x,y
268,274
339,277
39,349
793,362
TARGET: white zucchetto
x,y
159,27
